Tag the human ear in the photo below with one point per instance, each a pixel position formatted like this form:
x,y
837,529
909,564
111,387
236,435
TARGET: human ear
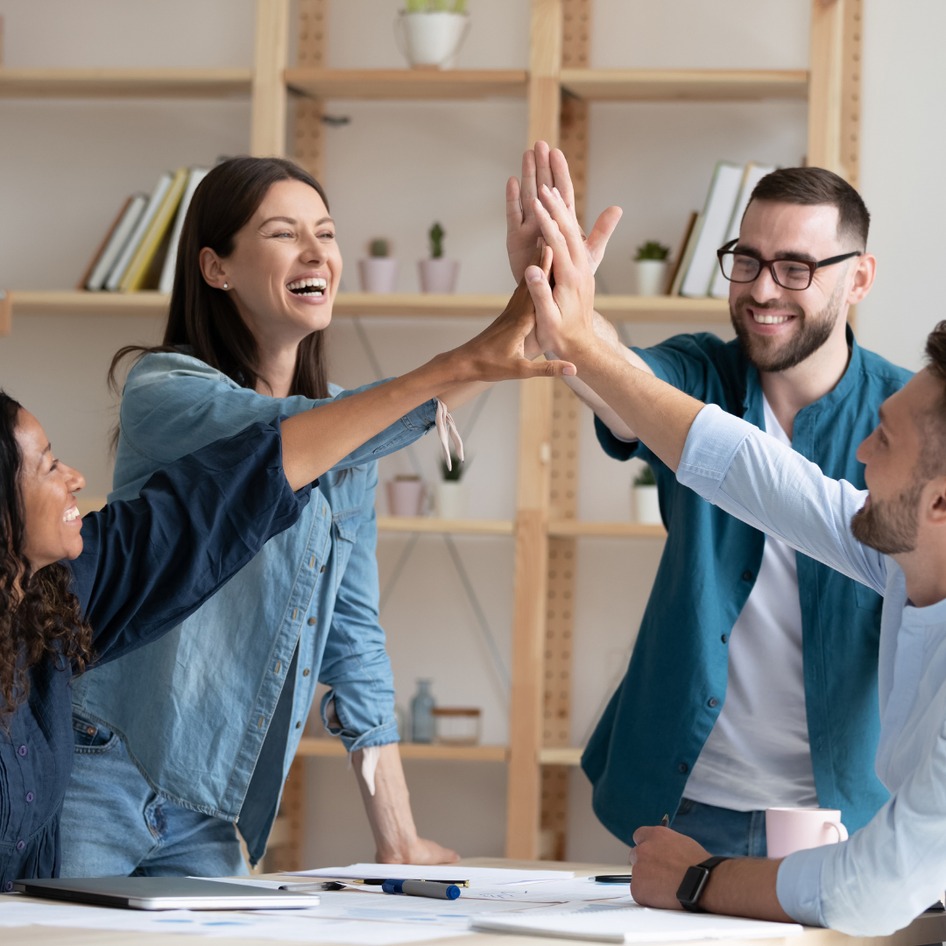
x,y
213,268
863,277
936,501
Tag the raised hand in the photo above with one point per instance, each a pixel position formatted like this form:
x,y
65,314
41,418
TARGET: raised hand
x,y
565,314
548,167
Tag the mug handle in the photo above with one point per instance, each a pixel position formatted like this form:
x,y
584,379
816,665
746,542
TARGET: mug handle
x,y
839,828
399,36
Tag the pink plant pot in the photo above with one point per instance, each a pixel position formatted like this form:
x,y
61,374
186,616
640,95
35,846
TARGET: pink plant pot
x,y
378,274
438,275
406,497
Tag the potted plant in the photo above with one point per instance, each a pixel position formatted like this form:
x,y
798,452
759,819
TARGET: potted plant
x,y
430,32
651,264
406,495
438,274
451,493
378,273
646,503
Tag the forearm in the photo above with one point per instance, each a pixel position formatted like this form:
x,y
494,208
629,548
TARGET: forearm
x,y
745,887
459,394
389,809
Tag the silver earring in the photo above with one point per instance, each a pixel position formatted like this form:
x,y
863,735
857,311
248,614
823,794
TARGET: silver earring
x,y
226,285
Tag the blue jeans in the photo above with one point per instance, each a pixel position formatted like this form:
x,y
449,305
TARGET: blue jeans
x,y
115,825
721,830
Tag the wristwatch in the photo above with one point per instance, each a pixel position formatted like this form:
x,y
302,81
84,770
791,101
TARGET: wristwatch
x,y
694,883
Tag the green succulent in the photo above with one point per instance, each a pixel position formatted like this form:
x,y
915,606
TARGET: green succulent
x,y
645,477
652,250
378,248
436,234
434,6
457,471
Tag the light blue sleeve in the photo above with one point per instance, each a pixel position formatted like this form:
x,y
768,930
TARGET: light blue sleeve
x,y
174,404
753,477
355,663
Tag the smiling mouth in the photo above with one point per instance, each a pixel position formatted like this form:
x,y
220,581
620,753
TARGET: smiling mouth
x,y
308,287
71,515
764,318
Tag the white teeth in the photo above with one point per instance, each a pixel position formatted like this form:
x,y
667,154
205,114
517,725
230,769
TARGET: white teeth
x,y
314,283
71,515
770,319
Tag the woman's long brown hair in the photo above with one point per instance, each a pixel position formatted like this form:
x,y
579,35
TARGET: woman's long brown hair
x,y
40,617
206,319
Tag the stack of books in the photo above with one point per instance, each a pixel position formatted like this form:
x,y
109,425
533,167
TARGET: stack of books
x,y
696,272
140,248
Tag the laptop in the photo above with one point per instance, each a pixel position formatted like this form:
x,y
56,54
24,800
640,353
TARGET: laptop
x,y
164,893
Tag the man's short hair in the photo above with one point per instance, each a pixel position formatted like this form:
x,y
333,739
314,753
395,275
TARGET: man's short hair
x,y
814,186
932,461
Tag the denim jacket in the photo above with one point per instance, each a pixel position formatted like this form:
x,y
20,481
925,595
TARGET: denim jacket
x,y
193,708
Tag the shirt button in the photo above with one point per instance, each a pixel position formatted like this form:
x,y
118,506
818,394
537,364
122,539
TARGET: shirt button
x,y
322,569
724,638
22,751
29,797
312,621
90,730
305,672
298,725
712,702
683,768
9,886
20,845
747,575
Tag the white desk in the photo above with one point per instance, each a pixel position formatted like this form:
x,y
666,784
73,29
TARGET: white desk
x,y
930,928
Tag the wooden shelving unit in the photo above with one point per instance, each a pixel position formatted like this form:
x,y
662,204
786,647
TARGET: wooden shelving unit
x,y
557,88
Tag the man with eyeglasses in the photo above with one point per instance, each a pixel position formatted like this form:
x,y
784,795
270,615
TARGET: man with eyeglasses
x,y
753,681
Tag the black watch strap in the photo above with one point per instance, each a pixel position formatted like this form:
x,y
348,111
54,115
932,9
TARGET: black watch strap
x,y
694,883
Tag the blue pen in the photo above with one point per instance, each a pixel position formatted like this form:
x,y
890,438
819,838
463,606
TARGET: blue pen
x,y
422,888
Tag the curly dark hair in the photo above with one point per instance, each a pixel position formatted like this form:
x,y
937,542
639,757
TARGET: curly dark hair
x,y
40,618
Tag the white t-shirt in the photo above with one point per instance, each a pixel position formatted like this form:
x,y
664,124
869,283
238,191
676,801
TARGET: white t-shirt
x,y
757,755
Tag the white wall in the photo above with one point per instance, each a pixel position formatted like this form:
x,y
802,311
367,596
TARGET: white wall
x,y
65,167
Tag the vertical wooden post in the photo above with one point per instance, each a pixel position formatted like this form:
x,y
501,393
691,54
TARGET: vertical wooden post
x,y
851,91
268,107
532,504
6,312
825,83
307,134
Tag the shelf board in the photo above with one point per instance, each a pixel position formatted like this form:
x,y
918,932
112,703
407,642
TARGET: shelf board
x,y
408,84
78,302
685,85
663,309
574,527
564,756
451,526
420,304
310,746
125,83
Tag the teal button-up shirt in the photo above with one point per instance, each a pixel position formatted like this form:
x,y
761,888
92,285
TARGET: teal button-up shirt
x,y
655,725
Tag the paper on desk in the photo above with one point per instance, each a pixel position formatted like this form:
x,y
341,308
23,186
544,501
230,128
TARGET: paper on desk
x,y
627,922
287,926
476,875
548,891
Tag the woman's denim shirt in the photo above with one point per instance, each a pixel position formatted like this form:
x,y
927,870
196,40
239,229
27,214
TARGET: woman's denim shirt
x,y
193,708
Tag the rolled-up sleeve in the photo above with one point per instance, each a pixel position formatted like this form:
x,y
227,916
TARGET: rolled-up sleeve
x,y
355,664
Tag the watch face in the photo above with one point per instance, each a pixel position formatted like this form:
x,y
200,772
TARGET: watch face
x,y
693,882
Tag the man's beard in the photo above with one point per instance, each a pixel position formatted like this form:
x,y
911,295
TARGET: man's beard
x,y
890,526
814,332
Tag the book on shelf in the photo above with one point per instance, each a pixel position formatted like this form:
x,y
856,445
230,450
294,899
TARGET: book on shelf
x,y
693,234
115,242
718,211
154,202
677,263
754,172
155,237
166,282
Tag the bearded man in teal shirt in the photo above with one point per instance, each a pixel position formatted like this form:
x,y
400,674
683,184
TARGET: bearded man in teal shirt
x,y
753,681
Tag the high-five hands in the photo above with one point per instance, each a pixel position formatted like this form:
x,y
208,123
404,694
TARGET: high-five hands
x,y
545,166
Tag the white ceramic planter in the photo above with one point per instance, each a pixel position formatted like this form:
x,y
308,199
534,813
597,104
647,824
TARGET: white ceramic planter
x,y
378,274
646,505
431,39
406,497
438,275
451,499
651,275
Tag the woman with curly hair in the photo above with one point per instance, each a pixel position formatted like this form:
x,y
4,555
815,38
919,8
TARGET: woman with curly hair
x,y
77,592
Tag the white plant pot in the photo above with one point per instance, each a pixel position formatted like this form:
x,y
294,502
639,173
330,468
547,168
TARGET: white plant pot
x,y
378,274
406,497
651,276
451,499
646,505
431,39
438,275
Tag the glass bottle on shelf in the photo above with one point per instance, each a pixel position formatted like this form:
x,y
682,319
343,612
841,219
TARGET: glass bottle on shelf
x,y
422,720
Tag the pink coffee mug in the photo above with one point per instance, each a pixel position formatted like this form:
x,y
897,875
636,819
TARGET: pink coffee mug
x,y
796,829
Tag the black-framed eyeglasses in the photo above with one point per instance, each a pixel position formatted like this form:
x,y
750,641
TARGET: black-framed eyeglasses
x,y
794,274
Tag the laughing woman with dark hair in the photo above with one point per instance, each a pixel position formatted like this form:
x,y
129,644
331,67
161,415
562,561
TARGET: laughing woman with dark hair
x,y
77,592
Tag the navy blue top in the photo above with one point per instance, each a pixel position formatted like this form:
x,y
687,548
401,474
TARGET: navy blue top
x,y
654,727
146,564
